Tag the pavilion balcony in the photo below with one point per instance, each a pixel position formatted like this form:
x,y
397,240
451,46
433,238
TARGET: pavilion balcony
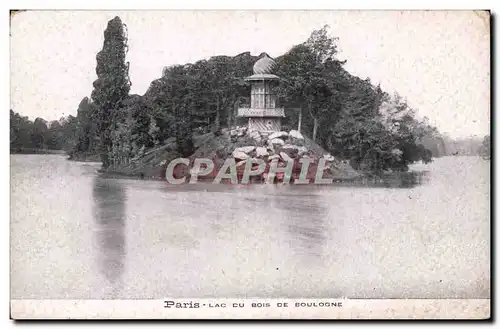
x,y
261,113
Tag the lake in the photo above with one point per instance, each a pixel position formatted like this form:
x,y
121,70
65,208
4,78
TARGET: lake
x,y
77,235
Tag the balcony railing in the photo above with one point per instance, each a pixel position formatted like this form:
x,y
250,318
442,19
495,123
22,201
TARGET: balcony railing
x,y
272,112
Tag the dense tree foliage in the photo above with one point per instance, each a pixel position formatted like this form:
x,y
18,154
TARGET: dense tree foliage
x,y
27,135
348,116
86,141
111,87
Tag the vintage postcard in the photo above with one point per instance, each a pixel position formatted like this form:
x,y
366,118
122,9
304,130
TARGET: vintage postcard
x,y
270,164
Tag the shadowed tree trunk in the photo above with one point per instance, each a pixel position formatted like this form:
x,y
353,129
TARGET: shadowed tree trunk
x,y
315,129
300,120
316,123
217,115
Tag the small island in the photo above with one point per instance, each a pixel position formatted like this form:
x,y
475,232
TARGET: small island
x,y
303,103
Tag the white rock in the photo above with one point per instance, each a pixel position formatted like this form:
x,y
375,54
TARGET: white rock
x,y
270,146
245,149
164,162
277,141
328,157
302,150
285,156
240,155
234,132
262,152
274,156
241,163
255,135
296,134
290,147
278,134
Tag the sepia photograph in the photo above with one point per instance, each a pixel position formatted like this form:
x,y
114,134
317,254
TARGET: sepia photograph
x,y
250,164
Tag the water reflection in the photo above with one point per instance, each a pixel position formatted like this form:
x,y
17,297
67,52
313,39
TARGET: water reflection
x,y
307,233
269,240
405,180
109,198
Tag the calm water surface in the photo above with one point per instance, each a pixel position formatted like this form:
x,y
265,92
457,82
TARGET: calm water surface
x,y
77,235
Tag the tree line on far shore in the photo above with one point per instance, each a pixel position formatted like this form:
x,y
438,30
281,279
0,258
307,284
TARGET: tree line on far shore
x,y
348,116
40,134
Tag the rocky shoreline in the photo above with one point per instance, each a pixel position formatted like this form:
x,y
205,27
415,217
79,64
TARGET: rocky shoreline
x,y
280,147
242,145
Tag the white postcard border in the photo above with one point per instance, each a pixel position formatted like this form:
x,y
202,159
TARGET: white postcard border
x,y
478,309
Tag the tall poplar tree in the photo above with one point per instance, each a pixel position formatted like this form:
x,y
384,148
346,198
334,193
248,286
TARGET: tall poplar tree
x,y
112,85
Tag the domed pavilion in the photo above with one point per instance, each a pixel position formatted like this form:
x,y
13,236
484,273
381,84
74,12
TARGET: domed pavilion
x,y
263,115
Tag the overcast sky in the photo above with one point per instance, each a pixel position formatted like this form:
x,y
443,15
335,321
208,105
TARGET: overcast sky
x,y
439,61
